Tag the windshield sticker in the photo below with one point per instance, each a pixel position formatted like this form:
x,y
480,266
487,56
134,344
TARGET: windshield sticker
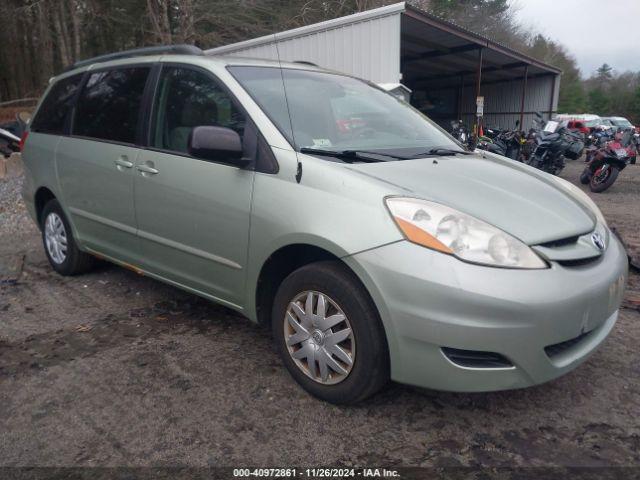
x,y
321,142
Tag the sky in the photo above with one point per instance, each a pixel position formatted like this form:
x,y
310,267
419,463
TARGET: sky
x,y
594,31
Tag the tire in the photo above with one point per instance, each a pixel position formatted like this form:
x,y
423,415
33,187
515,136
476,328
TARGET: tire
x,y
585,176
72,261
367,345
602,186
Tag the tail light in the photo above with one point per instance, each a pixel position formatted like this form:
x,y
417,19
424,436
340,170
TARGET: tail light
x,y
23,140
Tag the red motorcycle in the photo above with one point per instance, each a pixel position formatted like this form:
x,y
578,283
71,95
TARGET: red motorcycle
x,y
607,162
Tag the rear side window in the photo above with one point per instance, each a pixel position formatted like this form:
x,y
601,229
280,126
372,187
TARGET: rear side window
x,y
56,107
109,104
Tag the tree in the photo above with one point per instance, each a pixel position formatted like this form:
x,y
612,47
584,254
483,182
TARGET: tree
x,y
571,97
491,18
604,72
60,32
635,107
598,101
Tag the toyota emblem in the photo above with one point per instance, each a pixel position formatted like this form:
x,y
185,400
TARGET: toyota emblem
x,y
598,241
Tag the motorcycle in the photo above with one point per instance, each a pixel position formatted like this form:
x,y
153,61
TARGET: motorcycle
x,y
598,136
596,140
10,134
459,132
9,143
507,143
635,141
607,162
554,144
528,142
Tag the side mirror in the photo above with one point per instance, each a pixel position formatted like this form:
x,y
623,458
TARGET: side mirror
x,y
218,144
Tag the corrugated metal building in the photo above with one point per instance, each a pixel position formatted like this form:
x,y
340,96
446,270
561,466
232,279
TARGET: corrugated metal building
x,y
444,65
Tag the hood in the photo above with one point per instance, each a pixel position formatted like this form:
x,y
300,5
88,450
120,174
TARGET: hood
x,y
531,205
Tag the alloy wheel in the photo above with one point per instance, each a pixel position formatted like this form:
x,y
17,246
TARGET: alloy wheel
x,y
55,237
319,337
601,174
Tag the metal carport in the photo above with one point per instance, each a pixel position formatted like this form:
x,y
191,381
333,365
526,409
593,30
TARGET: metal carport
x,y
444,65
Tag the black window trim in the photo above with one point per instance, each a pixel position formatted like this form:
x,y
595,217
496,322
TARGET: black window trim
x,y
87,73
146,139
147,110
66,126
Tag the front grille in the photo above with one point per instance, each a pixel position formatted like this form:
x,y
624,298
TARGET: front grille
x,y
559,348
561,243
579,262
476,359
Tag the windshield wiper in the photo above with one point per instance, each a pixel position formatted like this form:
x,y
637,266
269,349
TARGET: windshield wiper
x,y
441,152
351,156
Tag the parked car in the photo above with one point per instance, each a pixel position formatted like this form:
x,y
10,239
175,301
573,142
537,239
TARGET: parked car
x,y
583,122
578,126
605,123
620,122
382,250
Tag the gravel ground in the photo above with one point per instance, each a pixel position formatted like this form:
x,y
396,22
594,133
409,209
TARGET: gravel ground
x,y
115,369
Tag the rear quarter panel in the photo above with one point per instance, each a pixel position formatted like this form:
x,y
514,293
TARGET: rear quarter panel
x,y
38,158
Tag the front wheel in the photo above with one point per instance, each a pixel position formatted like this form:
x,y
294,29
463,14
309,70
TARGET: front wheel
x,y
585,176
603,178
329,334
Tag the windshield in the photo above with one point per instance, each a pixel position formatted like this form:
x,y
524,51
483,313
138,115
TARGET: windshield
x,y
621,122
593,123
336,112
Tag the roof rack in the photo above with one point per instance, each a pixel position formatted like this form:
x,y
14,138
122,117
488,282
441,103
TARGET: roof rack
x,y
137,52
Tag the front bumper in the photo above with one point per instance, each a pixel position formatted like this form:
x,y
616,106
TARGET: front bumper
x,y
428,300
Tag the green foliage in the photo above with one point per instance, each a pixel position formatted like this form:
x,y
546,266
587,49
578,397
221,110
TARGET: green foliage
x,y
604,72
598,101
572,95
491,18
478,7
635,105
59,32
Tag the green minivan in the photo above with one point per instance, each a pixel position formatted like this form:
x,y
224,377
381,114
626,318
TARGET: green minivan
x,y
373,244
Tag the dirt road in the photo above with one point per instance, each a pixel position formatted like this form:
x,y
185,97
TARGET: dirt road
x,y
115,369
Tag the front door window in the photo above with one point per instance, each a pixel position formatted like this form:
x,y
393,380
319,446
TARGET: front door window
x,y
188,98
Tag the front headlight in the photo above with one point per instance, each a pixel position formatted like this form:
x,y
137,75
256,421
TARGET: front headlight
x,y
449,231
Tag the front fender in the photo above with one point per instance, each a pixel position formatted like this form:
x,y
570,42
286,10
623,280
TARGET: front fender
x,y
260,255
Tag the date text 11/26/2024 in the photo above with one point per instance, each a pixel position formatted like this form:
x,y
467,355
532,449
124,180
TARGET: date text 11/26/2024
x,y
316,472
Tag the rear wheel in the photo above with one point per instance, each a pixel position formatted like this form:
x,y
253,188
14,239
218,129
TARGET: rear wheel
x,y
603,178
329,335
59,245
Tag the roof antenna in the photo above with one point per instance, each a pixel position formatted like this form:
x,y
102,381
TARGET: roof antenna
x,y
286,101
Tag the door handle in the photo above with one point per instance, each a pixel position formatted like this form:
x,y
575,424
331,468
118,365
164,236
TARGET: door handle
x,y
123,162
147,169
